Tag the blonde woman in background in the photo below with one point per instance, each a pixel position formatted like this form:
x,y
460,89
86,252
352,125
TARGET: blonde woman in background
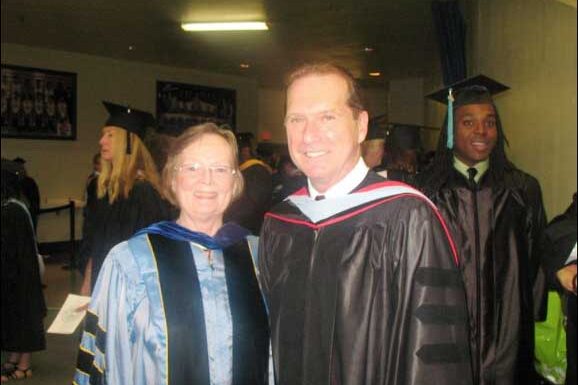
x,y
128,189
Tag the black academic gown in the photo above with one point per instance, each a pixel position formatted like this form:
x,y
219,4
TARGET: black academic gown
x,y
558,242
370,296
249,210
23,306
498,243
107,224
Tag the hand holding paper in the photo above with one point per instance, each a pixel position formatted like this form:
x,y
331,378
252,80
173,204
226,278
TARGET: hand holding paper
x,y
70,315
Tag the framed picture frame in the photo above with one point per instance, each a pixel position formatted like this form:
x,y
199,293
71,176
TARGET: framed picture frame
x,y
38,103
180,106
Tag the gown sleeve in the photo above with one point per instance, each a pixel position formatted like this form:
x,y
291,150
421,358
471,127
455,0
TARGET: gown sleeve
x,y
429,340
105,354
536,224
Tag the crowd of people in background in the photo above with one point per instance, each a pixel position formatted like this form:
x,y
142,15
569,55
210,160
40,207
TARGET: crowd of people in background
x,y
348,257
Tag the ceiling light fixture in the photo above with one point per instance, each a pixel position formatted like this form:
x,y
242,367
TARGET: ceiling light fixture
x,y
368,49
235,26
375,74
245,66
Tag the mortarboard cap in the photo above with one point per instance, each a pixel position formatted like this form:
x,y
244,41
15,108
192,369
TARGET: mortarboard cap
x,y
375,131
404,137
475,90
19,160
245,139
479,83
11,166
129,119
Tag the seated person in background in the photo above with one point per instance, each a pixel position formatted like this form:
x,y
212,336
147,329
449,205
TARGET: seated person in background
x,y
249,210
179,303
23,306
559,258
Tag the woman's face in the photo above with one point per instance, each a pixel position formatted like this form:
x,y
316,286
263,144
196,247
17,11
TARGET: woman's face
x,y
107,143
204,179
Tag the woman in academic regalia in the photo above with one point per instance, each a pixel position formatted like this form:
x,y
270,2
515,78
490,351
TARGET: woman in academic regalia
x,y
23,306
128,189
179,303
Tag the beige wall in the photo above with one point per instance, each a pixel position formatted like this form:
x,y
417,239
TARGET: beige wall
x,y
61,167
530,45
272,113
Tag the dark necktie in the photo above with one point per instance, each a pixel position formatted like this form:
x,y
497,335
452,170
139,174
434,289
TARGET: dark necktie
x,y
319,197
472,172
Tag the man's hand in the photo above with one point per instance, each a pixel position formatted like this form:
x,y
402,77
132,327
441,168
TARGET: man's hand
x,y
567,278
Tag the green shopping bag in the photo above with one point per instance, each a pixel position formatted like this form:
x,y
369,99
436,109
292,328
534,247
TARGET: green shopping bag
x,y
551,342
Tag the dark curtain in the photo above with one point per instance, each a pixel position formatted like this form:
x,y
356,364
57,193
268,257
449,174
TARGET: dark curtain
x,y
451,32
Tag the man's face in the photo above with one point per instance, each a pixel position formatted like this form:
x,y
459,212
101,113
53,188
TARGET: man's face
x,y
323,135
476,133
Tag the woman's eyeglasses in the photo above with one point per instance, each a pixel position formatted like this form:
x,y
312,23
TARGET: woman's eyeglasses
x,y
196,170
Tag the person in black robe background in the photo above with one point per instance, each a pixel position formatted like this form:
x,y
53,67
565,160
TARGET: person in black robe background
x,y
358,272
23,306
128,190
558,244
497,217
249,210
29,190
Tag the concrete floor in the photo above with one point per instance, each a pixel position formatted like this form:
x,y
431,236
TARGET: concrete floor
x,y
55,365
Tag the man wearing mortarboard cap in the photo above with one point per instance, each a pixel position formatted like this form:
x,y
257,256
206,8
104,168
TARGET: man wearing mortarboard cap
x,y
497,216
373,148
403,148
128,189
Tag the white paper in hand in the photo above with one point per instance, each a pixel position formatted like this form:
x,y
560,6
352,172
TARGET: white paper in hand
x,y
69,317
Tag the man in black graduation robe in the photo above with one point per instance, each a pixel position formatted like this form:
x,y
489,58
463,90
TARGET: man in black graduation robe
x,y
496,216
358,272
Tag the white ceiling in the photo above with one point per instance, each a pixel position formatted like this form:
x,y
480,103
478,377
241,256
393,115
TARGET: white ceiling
x,y
400,32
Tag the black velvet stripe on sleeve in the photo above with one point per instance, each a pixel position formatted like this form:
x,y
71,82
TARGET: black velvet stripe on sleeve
x,y
250,324
441,315
437,277
443,354
85,363
183,305
85,360
91,326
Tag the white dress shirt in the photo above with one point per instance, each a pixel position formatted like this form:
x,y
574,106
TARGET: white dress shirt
x,y
345,185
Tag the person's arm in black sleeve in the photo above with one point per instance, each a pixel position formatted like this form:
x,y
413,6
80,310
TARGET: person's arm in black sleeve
x,y
430,340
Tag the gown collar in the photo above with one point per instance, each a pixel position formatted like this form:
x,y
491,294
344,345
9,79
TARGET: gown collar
x,y
228,235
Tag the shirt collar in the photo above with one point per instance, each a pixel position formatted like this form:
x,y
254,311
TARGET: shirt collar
x,y
345,185
463,168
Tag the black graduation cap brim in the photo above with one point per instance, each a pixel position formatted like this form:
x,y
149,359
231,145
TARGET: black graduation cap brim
x,y
404,137
492,86
129,119
375,131
244,139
